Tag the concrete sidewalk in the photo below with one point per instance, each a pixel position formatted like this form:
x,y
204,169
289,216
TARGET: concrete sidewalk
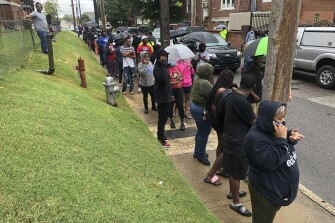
x,y
307,208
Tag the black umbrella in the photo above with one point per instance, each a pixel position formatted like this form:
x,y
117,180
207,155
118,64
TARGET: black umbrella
x,y
204,37
90,24
177,33
121,35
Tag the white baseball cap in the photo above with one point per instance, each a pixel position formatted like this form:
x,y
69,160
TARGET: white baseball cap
x,y
144,37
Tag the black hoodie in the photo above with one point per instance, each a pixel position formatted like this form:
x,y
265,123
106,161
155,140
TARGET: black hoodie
x,y
163,91
273,163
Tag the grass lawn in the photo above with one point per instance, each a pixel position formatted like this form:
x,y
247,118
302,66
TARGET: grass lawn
x,y
67,156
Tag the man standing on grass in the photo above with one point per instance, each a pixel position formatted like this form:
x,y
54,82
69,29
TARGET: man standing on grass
x,y
40,25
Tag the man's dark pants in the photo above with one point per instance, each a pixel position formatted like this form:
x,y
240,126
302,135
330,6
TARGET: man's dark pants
x,y
163,114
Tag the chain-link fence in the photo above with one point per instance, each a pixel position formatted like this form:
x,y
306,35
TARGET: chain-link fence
x,y
17,39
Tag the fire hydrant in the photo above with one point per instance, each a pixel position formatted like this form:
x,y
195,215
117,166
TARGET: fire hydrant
x,y
112,90
81,72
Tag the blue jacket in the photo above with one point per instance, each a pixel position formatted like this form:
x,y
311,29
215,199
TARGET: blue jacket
x,y
102,41
273,163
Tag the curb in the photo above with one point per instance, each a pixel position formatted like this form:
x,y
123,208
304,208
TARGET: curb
x,y
316,199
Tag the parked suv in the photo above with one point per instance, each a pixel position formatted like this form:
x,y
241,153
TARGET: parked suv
x,y
222,55
316,53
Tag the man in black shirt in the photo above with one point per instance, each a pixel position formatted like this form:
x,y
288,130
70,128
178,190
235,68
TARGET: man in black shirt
x,y
256,95
163,94
239,117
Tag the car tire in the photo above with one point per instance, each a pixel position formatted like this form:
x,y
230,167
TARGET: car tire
x,y
325,77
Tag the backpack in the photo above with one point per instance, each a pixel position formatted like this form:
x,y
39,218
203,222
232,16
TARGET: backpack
x,y
216,112
106,49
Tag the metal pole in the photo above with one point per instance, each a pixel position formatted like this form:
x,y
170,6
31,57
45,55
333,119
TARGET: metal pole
x,y
164,23
103,19
74,19
51,69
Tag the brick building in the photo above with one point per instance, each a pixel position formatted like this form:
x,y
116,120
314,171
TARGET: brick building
x,y
314,11
235,13
11,10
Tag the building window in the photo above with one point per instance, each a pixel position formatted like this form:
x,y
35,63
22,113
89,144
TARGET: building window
x,y
227,4
316,18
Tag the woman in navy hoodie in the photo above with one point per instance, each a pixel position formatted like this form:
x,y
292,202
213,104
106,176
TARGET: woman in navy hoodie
x,y
273,173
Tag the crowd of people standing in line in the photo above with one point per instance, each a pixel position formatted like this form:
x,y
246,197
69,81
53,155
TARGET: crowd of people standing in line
x,y
252,137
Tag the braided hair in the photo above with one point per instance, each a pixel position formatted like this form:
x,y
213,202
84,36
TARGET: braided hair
x,y
224,80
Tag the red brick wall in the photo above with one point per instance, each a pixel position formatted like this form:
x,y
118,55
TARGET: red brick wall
x,y
325,9
235,39
263,7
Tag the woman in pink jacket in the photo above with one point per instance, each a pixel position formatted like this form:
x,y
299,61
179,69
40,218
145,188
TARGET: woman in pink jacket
x,y
187,72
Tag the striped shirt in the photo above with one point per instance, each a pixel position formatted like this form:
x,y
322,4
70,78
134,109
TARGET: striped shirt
x,y
40,21
127,61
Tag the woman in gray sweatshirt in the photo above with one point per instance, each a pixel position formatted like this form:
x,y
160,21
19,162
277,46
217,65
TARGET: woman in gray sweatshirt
x,y
147,80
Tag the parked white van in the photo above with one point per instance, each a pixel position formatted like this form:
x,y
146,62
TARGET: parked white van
x,y
317,54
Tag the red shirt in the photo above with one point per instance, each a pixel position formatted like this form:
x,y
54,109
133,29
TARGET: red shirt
x,y
175,74
112,50
141,48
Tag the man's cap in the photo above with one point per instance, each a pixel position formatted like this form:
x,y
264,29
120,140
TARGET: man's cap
x,y
144,37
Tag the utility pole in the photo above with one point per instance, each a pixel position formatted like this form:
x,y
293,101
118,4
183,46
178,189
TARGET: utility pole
x,y
77,13
73,16
193,12
164,23
283,25
103,18
81,21
95,12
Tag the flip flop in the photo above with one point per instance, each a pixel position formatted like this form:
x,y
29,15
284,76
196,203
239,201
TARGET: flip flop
x,y
215,181
241,210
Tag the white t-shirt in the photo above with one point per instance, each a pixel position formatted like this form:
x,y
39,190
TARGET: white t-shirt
x,y
127,61
204,54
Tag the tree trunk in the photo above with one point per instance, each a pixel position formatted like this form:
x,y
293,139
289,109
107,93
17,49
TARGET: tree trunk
x,y
164,23
281,49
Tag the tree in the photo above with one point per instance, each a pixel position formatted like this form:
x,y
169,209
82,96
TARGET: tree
x,y
50,7
68,18
85,18
282,40
122,10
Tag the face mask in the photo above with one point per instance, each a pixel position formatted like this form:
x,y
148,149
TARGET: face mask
x,y
278,123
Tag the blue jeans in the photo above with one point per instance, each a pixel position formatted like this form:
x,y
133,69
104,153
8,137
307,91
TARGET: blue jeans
x,y
43,37
203,130
128,76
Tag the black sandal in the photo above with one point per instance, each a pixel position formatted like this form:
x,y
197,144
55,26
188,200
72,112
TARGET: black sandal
x,y
241,210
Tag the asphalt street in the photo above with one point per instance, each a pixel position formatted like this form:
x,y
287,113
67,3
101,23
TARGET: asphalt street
x,y
312,111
